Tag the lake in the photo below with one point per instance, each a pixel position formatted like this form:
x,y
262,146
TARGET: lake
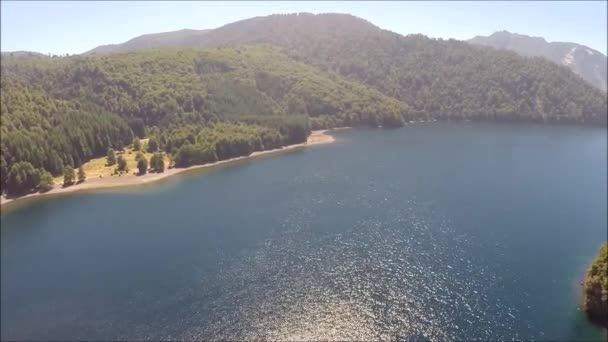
x,y
442,231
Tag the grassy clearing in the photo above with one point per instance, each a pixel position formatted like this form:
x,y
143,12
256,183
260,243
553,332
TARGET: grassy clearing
x,y
97,168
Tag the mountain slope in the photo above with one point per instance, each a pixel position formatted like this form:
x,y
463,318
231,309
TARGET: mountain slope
x,y
588,63
65,111
119,83
437,78
262,83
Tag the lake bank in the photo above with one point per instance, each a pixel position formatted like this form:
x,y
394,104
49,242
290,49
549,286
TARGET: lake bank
x,y
317,137
594,285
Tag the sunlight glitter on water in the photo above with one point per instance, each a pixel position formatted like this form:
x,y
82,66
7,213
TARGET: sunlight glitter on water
x,y
382,279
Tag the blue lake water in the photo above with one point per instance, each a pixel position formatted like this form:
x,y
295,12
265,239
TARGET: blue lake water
x,y
442,231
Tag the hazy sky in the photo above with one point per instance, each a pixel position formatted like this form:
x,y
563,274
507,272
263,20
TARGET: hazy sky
x,y
77,26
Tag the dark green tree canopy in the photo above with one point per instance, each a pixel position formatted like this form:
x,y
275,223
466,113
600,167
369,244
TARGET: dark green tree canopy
x,y
69,176
152,145
22,178
81,174
111,157
121,164
46,181
142,165
157,162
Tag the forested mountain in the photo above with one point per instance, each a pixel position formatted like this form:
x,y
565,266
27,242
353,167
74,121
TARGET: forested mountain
x,y
590,64
64,111
437,78
263,83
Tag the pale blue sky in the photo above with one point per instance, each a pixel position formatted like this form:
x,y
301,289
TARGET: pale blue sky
x,y
77,26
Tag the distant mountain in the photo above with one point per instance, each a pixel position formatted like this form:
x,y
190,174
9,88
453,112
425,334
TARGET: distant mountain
x,y
588,63
22,54
148,41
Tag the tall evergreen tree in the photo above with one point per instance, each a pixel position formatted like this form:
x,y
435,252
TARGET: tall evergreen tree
x,y
68,176
152,145
46,181
142,165
22,178
157,162
111,157
121,164
81,174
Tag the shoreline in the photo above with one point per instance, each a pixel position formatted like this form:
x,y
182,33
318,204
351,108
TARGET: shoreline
x,y
318,137
594,318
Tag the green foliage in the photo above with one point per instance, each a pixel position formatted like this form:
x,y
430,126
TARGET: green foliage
x,y
111,157
136,144
142,165
121,164
437,78
68,176
3,173
157,162
65,111
138,127
46,181
163,87
152,145
22,178
227,140
595,295
70,138
189,154
81,174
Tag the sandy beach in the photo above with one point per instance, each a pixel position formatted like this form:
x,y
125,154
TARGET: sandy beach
x,y
316,138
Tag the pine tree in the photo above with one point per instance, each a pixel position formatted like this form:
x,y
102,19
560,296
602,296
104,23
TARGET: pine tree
x,y
81,175
142,165
68,176
46,181
111,158
121,164
157,162
152,145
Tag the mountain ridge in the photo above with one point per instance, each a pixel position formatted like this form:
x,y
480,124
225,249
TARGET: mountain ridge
x,y
387,61
148,41
190,36
587,62
412,68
